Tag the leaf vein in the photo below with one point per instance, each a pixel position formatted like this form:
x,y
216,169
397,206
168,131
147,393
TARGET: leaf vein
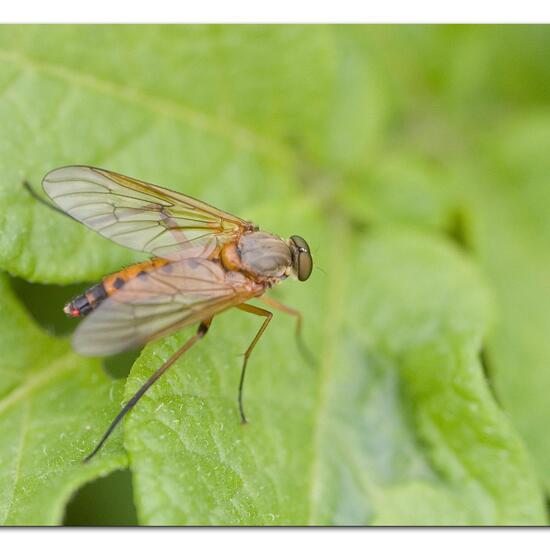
x,y
241,136
20,447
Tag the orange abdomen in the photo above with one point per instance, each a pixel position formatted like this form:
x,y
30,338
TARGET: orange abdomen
x,y
113,283
85,303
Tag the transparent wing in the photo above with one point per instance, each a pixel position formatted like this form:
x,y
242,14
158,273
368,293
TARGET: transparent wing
x,y
140,215
171,297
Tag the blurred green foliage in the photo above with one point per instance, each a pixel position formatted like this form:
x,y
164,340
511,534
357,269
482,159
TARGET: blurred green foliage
x,y
414,159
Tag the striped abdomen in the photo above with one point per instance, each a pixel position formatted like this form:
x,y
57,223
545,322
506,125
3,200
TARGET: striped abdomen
x,y
85,303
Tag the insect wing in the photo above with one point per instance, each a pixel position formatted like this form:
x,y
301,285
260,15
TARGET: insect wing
x,y
171,297
140,215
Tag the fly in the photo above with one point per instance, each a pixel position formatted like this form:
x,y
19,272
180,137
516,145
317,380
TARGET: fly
x,y
204,261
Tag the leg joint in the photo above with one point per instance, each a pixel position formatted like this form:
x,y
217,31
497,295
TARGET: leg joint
x,y
203,328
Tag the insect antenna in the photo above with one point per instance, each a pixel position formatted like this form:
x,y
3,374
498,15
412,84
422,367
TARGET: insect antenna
x,y
202,330
319,268
38,198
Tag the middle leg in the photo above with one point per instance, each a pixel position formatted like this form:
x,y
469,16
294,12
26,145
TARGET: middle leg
x,y
268,316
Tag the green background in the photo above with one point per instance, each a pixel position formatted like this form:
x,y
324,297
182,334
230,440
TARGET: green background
x,y
413,159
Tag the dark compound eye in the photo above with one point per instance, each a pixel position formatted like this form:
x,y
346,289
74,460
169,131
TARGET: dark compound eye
x,y
302,260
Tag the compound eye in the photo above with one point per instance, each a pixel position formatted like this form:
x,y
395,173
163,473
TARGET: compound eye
x,y
305,265
303,262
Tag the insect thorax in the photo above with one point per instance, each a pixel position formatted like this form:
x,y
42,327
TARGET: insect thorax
x,y
264,255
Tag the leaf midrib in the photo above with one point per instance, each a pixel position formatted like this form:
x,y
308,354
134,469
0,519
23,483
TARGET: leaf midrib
x,y
20,448
21,394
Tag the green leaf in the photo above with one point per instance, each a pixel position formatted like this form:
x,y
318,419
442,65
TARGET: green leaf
x,y
511,235
326,132
395,426
52,404
196,134
402,189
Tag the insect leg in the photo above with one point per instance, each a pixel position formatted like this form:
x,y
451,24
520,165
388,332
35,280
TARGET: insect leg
x,y
38,198
268,315
304,350
202,330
